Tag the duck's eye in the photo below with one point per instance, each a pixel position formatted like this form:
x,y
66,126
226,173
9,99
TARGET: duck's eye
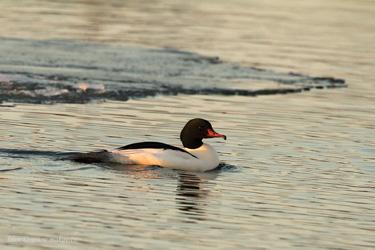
x,y
200,128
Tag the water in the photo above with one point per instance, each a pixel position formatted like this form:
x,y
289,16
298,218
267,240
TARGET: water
x,y
297,169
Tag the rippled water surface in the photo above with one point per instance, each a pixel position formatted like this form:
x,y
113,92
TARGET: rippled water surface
x,y
298,169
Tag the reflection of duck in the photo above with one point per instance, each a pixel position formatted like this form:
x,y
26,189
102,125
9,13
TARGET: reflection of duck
x,y
196,155
192,190
190,193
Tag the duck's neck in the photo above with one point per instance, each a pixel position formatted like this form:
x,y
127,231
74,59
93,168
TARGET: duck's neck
x,y
188,140
191,143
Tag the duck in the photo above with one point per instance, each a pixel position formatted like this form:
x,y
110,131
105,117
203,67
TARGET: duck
x,y
195,156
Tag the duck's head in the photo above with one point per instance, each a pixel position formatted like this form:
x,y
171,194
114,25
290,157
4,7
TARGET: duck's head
x,y
195,130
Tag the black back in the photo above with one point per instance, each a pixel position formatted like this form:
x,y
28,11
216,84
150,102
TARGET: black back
x,y
141,145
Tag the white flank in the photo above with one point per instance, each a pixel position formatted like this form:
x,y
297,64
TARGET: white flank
x,y
206,158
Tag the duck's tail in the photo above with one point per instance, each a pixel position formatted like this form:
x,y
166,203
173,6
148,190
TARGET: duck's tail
x,y
103,156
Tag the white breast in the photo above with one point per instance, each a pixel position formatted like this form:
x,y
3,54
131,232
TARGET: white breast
x,y
205,158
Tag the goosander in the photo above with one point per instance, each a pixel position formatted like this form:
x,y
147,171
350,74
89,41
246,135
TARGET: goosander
x,y
196,155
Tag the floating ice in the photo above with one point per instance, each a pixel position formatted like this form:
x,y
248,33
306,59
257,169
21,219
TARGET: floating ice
x,y
78,72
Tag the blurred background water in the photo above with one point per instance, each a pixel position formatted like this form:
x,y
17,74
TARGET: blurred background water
x,y
299,168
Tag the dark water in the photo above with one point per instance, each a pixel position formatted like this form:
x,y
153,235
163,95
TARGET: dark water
x,y
298,169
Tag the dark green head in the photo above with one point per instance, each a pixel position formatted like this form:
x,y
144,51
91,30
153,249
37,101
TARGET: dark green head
x,y
195,130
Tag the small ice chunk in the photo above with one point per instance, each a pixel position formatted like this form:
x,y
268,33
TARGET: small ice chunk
x,y
98,88
83,86
51,91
